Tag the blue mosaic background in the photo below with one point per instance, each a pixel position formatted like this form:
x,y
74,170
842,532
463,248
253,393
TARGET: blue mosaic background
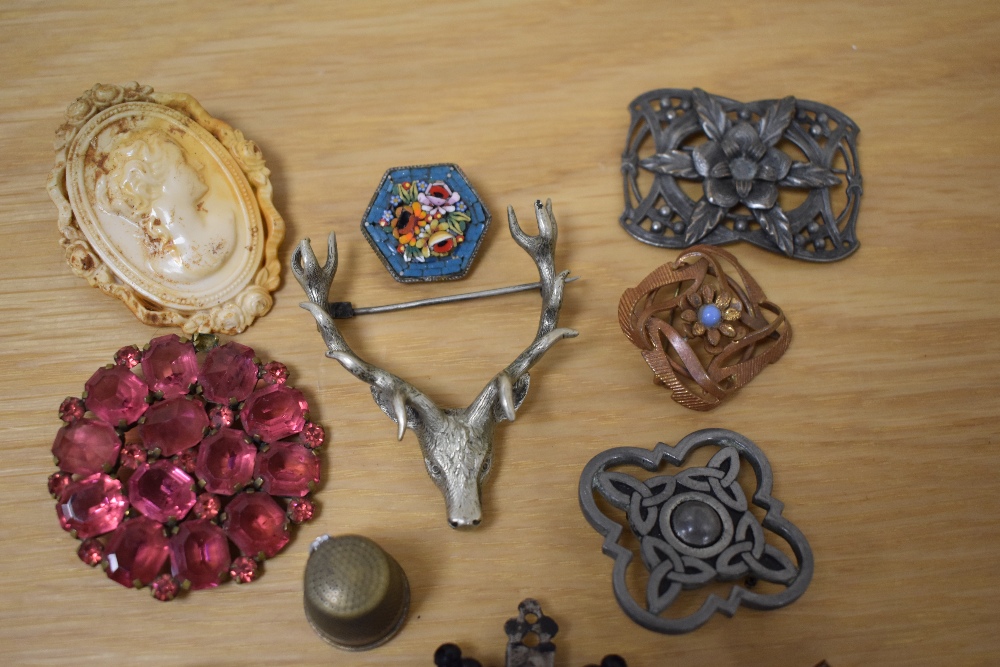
x,y
451,267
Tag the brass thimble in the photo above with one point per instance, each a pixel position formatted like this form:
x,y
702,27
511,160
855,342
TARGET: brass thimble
x,y
356,595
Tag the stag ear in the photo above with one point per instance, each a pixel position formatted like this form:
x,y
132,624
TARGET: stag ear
x,y
520,391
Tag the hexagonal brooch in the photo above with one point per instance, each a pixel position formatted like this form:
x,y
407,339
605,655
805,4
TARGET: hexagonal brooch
x,y
426,222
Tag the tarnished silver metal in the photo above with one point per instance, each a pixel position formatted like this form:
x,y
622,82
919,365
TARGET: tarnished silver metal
x,y
693,527
530,622
342,310
355,594
457,444
748,160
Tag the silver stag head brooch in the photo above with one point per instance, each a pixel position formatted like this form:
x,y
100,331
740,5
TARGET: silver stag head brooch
x,y
457,444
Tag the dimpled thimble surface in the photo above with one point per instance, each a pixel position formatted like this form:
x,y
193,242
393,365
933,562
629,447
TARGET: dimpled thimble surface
x,y
356,595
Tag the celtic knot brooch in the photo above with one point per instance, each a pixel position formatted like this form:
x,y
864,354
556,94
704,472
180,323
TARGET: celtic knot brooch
x,y
781,174
694,527
702,330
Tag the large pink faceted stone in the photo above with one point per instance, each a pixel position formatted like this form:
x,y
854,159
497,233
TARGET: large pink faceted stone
x,y
170,366
228,374
136,552
86,446
161,491
199,553
274,412
226,461
256,524
288,469
92,506
174,425
116,395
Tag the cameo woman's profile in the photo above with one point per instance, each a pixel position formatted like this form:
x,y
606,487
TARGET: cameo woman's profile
x,y
166,208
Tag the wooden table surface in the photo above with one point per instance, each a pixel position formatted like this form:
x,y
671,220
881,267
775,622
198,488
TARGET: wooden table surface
x,y
880,421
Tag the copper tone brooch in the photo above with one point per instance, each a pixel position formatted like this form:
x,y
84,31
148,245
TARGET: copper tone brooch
x,y
703,331
781,174
695,526
180,456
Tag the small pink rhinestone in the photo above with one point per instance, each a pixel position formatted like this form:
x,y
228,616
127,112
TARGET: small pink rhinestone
x,y
221,416
300,510
312,435
129,356
58,481
132,456
206,507
164,588
187,460
91,551
72,409
275,372
244,570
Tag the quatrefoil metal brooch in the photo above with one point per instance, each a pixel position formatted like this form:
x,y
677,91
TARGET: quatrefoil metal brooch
x,y
781,174
695,527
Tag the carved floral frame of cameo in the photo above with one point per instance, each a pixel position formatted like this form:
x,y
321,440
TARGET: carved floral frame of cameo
x,y
237,312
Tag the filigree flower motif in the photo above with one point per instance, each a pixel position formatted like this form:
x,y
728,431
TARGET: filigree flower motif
x,y
740,164
713,316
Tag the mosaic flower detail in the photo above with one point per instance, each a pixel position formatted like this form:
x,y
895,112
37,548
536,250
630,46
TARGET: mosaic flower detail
x,y
740,164
425,221
438,199
713,316
188,490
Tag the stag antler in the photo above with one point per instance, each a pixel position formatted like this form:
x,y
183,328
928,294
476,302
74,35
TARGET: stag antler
x,y
457,444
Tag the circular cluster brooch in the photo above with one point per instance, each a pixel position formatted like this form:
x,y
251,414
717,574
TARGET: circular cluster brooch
x,y
184,463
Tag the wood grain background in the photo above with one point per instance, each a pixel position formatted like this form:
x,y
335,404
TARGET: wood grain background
x,y
880,422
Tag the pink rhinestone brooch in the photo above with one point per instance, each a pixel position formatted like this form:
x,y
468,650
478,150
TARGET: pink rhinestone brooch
x,y
184,464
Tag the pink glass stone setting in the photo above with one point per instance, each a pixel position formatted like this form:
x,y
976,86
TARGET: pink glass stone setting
x,y
199,554
86,446
221,416
226,461
132,456
164,588
274,372
174,425
91,551
287,469
136,552
92,506
170,366
207,506
312,435
300,510
161,491
229,373
116,395
182,444
128,356
244,570
274,412
72,409
256,524
58,481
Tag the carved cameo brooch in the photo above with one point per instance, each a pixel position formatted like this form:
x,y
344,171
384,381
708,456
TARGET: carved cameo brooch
x,y
166,208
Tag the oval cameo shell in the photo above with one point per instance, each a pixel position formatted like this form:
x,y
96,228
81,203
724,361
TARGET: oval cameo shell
x,y
169,209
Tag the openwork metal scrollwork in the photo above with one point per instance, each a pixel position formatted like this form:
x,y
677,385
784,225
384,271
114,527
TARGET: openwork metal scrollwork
x,y
704,326
694,527
748,160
